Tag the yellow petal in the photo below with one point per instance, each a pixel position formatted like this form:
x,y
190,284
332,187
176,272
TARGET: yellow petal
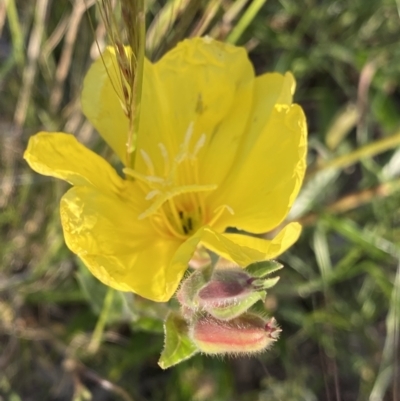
x,y
102,102
244,249
228,249
269,90
62,156
270,248
264,187
119,249
203,84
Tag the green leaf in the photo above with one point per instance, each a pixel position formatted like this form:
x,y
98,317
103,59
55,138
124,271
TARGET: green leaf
x,y
177,346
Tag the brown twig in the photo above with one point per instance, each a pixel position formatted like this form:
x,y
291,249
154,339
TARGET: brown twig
x,y
208,15
29,73
55,37
80,371
64,64
99,43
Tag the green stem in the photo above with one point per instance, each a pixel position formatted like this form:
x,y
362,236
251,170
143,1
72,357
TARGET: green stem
x,y
16,32
101,322
245,21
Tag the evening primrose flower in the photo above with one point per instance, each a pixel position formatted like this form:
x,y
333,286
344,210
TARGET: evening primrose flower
x,y
217,148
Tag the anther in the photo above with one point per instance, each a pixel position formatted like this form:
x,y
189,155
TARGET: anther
x,y
147,161
152,194
165,156
188,135
229,209
199,144
183,151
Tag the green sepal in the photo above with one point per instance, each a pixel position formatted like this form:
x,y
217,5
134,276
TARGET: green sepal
x,y
262,269
264,284
232,311
191,286
177,344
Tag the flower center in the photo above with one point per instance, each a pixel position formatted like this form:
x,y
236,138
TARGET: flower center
x,y
177,198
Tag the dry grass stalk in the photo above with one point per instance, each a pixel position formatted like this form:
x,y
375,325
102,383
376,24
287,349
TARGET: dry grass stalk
x,y
208,15
129,59
162,25
28,77
63,67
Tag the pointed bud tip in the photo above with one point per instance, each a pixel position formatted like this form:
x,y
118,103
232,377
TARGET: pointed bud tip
x,y
272,329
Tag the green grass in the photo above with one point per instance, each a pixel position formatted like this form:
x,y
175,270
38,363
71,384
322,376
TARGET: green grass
x,y
338,298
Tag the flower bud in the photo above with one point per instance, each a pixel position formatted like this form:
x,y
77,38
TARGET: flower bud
x,y
225,287
245,334
187,293
224,293
200,259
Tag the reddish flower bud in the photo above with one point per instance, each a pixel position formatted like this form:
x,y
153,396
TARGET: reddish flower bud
x,y
200,259
187,293
245,334
224,293
226,286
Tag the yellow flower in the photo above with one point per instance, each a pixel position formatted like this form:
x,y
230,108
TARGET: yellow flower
x,y
217,148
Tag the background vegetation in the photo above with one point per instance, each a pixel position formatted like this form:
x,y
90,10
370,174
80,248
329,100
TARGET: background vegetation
x,y
63,336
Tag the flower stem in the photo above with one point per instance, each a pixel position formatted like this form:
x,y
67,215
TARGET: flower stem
x,y
101,322
245,21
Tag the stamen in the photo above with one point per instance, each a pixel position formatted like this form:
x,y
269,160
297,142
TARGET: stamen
x,y
188,135
230,210
218,213
154,207
172,193
171,228
177,180
157,223
144,178
183,151
152,194
165,156
147,160
199,144
175,214
153,178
